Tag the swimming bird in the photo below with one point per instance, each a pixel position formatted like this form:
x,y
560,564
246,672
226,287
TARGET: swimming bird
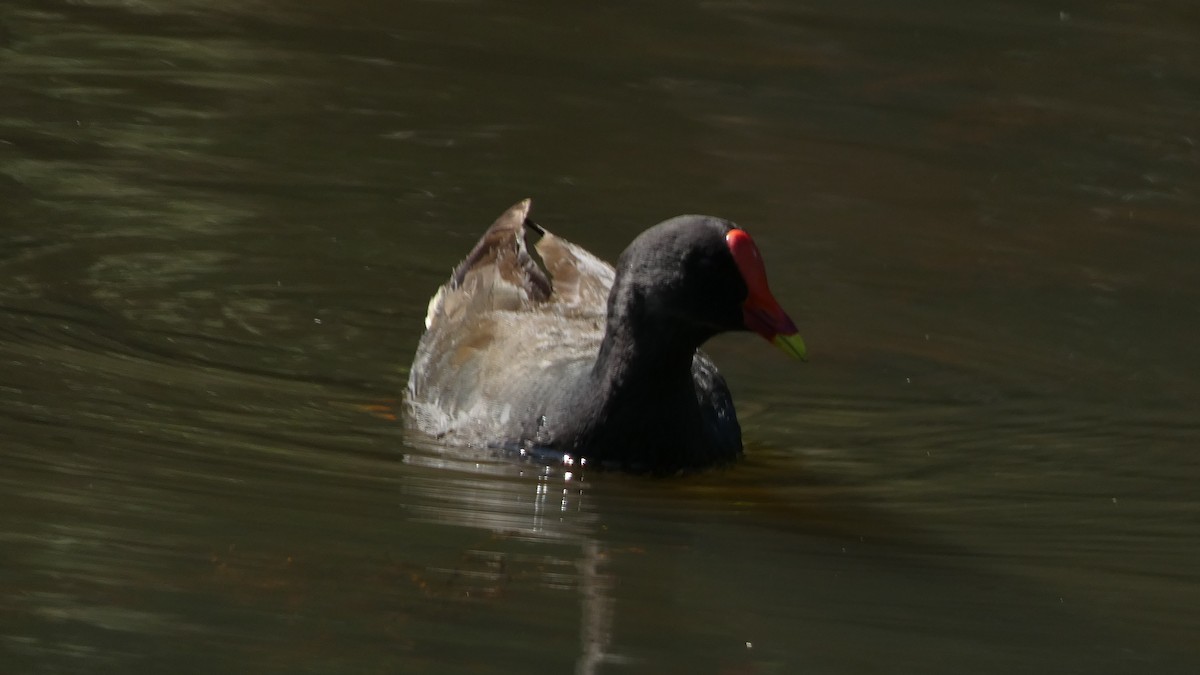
x,y
552,350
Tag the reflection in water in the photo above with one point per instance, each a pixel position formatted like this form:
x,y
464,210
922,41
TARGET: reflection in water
x,y
495,496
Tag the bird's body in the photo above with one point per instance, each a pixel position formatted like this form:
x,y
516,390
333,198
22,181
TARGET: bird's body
x,y
582,359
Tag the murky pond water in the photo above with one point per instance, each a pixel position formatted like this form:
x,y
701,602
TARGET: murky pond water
x,y
220,224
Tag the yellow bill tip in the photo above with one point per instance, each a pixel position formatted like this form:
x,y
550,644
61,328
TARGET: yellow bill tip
x,y
792,345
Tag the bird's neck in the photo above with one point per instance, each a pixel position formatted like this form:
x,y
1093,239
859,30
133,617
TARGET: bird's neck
x,y
644,348
641,360
643,396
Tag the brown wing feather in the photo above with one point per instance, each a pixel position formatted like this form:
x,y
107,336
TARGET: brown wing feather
x,y
499,315
581,280
497,274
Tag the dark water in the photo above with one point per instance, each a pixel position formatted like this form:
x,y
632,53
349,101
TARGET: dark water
x,y
220,224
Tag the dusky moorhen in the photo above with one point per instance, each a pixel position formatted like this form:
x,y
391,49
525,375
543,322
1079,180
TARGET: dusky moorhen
x,y
572,358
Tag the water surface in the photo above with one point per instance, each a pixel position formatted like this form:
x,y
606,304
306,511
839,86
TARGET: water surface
x,y
220,224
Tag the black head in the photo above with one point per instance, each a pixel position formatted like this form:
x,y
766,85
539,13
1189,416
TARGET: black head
x,y
691,277
679,277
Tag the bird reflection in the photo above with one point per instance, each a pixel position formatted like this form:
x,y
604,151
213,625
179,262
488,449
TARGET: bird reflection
x,y
514,499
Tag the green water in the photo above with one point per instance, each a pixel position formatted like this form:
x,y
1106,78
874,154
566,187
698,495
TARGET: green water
x,y
220,224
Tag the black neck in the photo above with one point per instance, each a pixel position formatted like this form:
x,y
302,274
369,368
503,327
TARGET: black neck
x,y
642,389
